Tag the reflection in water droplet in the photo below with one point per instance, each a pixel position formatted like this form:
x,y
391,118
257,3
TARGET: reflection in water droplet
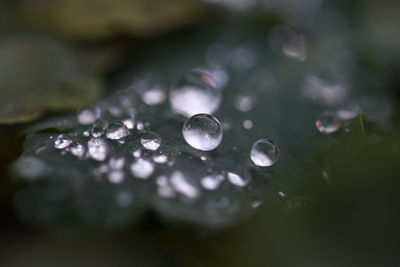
x,y
237,180
196,93
142,168
264,153
86,116
77,150
98,127
98,149
327,122
211,182
117,130
62,142
150,140
160,159
203,132
153,96
244,103
116,177
181,185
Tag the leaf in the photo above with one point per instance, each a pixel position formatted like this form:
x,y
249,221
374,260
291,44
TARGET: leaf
x,y
40,75
70,189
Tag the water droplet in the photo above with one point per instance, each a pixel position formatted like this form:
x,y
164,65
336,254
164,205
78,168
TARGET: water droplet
x,y
248,124
130,123
284,40
137,153
98,149
142,168
99,127
160,158
196,93
86,133
117,163
237,180
117,130
211,182
86,116
62,142
181,185
203,132
244,103
116,177
150,140
327,122
140,126
164,188
264,153
153,96
77,150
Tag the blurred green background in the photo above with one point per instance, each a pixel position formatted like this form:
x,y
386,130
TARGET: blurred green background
x,y
59,55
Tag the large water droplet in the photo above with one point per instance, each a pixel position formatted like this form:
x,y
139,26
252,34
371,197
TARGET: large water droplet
x,y
327,122
142,168
117,130
264,153
98,149
203,132
62,142
150,140
86,116
196,93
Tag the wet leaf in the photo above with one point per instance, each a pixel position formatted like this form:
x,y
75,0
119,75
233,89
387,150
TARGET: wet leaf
x,y
91,177
40,75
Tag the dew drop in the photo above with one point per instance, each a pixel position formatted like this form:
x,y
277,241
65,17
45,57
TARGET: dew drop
x,y
77,150
181,185
203,132
117,130
237,180
164,187
99,127
142,168
117,163
196,93
247,124
244,103
264,153
211,182
98,149
86,116
62,142
86,133
150,140
116,177
137,153
327,122
161,159
153,96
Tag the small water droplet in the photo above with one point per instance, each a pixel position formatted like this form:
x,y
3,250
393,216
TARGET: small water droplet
x,y
62,142
203,132
284,40
327,122
116,163
237,180
117,130
140,126
137,153
164,187
181,185
98,149
86,116
86,133
99,127
196,93
264,153
160,158
77,150
142,168
153,96
116,177
150,140
130,123
248,124
211,182
244,103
